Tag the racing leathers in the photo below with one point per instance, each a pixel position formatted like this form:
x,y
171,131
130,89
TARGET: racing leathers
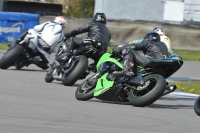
x,y
48,36
142,53
96,31
163,39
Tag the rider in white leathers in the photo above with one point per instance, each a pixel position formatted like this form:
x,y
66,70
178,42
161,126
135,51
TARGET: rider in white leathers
x,y
44,38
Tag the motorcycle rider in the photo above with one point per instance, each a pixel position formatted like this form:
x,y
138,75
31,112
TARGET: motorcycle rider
x,y
163,38
50,34
151,46
97,30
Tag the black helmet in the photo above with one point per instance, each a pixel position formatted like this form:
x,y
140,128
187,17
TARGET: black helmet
x,y
152,36
100,17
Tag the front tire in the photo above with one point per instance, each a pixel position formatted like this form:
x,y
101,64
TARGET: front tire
x,y
197,106
85,92
78,67
49,76
149,95
10,55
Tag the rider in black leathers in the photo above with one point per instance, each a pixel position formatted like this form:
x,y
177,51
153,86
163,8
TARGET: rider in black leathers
x,y
151,47
97,31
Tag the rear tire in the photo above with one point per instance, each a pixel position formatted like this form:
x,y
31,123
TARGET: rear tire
x,y
197,106
155,91
10,56
77,72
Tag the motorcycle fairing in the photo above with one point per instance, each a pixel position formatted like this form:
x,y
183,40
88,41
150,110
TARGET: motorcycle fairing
x,y
105,91
106,58
165,67
102,85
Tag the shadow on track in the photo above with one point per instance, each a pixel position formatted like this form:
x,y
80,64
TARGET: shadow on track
x,y
60,83
176,98
167,106
110,102
154,105
24,70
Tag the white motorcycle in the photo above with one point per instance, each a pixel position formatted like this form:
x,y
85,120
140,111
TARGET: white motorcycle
x,y
18,54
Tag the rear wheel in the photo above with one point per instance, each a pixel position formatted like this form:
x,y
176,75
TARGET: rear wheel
x,y
154,88
76,70
10,56
86,90
197,106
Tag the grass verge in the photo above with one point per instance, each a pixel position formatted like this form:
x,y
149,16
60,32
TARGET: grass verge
x,y
3,46
188,55
188,86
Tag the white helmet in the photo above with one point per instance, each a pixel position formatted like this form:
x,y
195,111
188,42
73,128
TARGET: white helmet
x,y
160,31
61,20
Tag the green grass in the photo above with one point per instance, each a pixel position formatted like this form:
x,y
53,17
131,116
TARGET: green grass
x,y
3,46
188,86
188,55
110,48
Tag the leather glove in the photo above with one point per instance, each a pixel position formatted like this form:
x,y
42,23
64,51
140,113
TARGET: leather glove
x,y
115,51
67,36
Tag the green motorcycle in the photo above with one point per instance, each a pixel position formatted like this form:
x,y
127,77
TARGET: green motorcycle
x,y
110,83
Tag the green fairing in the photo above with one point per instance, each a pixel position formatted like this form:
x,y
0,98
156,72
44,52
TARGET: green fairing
x,y
145,74
102,85
106,58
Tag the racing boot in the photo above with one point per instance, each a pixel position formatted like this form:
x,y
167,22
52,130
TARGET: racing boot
x,y
38,63
42,65
135,79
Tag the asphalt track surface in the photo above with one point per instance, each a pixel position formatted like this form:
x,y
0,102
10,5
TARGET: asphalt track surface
x,y
30,105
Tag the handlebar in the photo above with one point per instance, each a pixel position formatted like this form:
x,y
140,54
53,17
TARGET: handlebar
x,y
91,41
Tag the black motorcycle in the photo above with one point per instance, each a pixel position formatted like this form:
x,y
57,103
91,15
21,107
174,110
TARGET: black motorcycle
x,y
112,84
70,68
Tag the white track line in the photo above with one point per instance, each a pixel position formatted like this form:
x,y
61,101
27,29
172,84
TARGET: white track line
x,y
184,94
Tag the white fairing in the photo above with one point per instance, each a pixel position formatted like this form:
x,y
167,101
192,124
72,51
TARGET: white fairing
x,y
31,37
52,33
167,41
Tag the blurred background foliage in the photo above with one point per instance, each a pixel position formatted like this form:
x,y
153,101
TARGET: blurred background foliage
x,y
80,8
76,8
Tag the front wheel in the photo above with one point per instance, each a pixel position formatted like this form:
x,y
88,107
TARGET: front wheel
x,y
86,89
10,56
76,70
49,76
197,106
154,88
